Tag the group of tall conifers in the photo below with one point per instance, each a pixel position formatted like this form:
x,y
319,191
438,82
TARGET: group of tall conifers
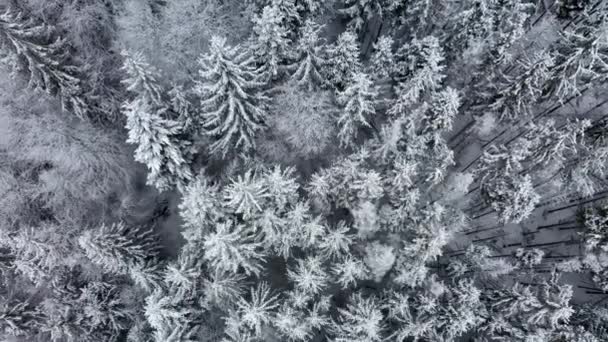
x,y
351,247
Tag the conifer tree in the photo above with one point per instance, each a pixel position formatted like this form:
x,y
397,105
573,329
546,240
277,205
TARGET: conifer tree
x,y
246,195
343,60
361,320
337,241
349,270
181,105
419,15
553,145
436,311
258,311
358,100
471,27
518,94
231,248
116,248
157,137
103,310
223,288
271,43
289,12
581,57
383,58
480,261
419,70
19,318
200,208
590,168
360,11
308,276
428,235
232,107
299,324
444,108
33,49
309,56
512,197
37,252
510,18
508,191
523,311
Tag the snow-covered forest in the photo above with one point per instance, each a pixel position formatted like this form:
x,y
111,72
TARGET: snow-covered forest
x,y
303,170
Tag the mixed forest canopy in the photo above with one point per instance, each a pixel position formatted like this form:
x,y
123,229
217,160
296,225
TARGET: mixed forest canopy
x,y
303,170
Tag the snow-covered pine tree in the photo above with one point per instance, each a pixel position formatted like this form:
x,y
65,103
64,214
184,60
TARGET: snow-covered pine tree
x,y
299,323
502,184
413,146
223,288
590,168
361,321
181,105
246,195
594,258
309,55
343,60
427,235
358,101
271,215
349,270
346,184
169,317
157,137
510,18
185,307
34,50
308,275
517,94
103,310
18,317
418,17
512,197
232,107
200,208
169,308
528,311
271,43
143,79
444,108
383,59
360,11
232,248
479,261
554,145
289,12
257,312
158,145
419,70
37,252
529,258
470,28
336,242
436,311
116,248
580,56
